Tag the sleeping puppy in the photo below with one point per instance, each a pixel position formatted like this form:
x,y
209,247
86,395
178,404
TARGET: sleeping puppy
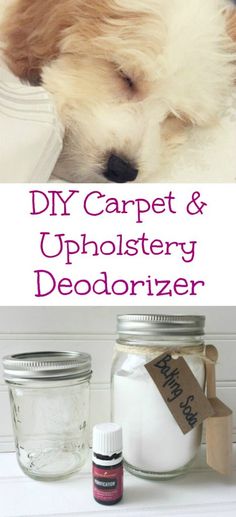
x,y
129,78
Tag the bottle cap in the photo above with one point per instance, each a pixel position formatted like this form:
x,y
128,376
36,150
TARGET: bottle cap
x,y
159,325
107,439
46,366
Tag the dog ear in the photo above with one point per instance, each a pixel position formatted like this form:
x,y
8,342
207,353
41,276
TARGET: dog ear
x,y
31,32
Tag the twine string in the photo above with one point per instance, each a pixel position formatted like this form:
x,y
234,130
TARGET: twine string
x,y
156,350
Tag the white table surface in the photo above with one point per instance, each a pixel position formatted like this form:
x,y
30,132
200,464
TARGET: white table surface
x,y
201,492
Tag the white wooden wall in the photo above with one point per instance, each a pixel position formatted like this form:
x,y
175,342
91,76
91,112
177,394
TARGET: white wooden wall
x,y
93,330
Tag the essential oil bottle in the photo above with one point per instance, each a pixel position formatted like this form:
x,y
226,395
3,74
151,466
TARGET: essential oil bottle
x,y
107,463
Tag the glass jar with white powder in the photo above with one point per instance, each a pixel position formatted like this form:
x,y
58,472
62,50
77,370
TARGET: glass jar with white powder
x,y
49,395
154,445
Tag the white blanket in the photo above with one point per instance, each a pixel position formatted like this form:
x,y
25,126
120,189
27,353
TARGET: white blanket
x,y
31,135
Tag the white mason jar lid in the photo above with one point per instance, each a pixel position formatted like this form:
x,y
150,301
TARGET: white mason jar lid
x,y
107,439
47,366
155,325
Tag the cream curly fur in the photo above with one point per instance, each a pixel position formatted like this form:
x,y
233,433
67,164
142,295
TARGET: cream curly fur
x,y
128,77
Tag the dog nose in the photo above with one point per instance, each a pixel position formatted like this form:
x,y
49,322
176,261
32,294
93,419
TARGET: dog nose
x,y
120,170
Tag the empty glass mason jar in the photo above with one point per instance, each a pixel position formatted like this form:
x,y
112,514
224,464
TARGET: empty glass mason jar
x,y
154,445
49,395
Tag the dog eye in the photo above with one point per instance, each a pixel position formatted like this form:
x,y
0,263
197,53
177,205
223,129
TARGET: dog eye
x,y
127,80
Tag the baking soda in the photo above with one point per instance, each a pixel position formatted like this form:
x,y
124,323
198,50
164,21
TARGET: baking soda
x,y
152,440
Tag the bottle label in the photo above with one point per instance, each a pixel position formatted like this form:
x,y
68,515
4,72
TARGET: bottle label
x,y
108,483
180,390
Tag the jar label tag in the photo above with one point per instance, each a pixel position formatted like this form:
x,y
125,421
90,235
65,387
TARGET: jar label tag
x,y
180,391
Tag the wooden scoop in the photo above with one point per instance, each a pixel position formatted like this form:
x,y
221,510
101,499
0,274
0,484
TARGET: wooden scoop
x,y
218,426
